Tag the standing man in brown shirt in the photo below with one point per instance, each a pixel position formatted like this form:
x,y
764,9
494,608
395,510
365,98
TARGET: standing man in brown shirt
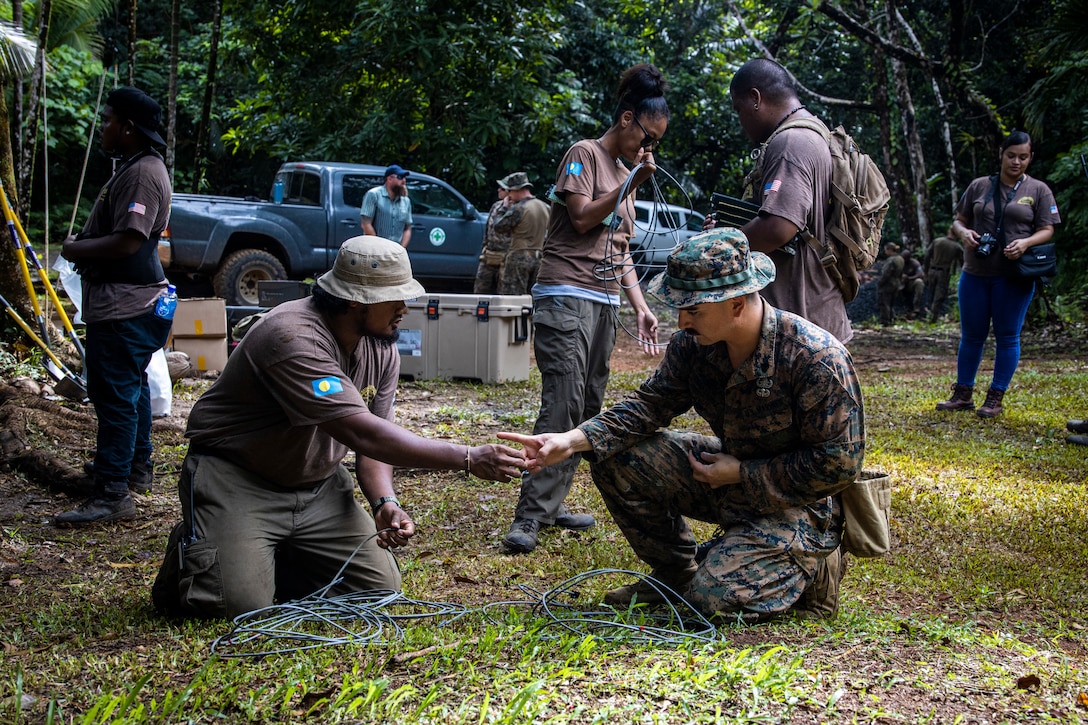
x,y
794,194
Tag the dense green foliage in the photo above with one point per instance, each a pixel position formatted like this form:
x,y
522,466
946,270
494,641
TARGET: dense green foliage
x,y
474,89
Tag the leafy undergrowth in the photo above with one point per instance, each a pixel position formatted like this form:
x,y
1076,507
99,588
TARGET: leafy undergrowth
x,y
979,613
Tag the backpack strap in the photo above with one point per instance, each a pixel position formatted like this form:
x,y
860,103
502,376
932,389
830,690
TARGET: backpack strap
x,y
812,124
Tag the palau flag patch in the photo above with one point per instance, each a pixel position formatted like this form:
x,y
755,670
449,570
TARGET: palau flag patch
x,y
327,386
574,168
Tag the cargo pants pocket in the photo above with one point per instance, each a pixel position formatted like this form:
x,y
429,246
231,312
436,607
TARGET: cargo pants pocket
x,y
190,581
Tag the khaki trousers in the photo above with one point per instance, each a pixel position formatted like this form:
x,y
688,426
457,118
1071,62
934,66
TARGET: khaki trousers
x,y
244,544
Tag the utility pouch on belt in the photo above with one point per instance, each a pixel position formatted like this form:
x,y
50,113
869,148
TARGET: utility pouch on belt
x,y
867,505
493,259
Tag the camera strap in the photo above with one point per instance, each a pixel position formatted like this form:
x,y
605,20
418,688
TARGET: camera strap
x,y
999,211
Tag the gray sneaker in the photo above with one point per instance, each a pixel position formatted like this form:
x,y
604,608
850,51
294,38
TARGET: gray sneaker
x,y
572,521
521,538
98,509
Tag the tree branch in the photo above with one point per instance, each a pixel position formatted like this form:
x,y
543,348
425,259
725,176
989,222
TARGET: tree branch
x,y
766,53
867,35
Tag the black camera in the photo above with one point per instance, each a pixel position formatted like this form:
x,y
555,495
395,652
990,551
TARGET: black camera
x,y
986,245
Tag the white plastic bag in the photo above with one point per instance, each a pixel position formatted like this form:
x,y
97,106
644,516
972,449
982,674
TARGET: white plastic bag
x,y
158,379
70,281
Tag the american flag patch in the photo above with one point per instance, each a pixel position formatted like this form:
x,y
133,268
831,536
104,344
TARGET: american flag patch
x,y
772,186
137,208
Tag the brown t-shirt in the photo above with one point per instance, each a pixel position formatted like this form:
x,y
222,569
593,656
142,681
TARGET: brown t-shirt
x,y
287,376
136,198
570,258
532,225
796,186
1031,207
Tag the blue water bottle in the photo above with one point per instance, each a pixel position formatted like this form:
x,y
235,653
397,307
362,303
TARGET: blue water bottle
x,y
167,303
277,191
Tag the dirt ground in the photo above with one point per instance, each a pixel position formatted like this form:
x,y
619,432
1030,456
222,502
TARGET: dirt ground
x,y
44,444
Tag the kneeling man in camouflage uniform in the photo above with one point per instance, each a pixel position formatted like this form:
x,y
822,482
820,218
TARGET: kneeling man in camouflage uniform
x,y
784,404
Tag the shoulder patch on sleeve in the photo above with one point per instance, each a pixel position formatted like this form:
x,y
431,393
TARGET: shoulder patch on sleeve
x,y
326,386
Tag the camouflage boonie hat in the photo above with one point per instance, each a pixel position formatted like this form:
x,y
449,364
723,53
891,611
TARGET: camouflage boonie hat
x,y
516,180
711,267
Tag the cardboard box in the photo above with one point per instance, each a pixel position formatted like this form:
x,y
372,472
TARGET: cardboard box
x,y
205,353
478,337
271,292
201,317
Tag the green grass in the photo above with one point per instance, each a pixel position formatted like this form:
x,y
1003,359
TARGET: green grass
x,y
979,613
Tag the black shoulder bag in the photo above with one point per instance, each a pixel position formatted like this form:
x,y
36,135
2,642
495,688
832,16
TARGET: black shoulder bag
x,y
1039,262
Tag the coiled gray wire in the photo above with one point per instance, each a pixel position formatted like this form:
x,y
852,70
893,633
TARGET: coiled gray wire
x,y
377,617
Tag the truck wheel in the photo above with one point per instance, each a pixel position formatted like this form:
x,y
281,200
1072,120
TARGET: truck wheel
x,y
238,275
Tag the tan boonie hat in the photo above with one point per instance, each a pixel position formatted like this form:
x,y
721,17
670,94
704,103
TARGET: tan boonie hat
x,y
891,248
371,270
711,267
516,180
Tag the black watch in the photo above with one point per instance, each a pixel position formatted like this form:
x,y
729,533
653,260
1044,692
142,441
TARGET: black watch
x,y
382,502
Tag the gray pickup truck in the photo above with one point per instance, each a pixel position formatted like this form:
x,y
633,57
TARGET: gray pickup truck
x,y
240,242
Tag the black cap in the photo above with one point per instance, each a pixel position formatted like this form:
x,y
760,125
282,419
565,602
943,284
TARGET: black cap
x,y
136,106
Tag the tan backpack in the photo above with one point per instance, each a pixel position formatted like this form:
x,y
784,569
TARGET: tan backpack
x,y
858,205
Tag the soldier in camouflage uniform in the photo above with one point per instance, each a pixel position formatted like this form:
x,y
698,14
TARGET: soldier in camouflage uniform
x,y
526,237
784,404
941,261
495,246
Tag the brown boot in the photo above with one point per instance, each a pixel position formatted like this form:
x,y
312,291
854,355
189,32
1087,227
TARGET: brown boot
x,y
821,599
992,407
960,400
643,592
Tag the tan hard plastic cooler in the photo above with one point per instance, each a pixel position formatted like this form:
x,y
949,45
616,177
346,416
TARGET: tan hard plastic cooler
x,y
476,337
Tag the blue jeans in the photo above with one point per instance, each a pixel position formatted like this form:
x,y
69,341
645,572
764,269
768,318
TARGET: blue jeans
x,y
118,353
1004,301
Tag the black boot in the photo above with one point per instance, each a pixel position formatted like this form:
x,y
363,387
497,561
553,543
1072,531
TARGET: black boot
x,y
140,478
110,502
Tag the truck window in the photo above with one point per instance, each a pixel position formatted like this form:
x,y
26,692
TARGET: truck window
x,y
355,187
430,198
304,188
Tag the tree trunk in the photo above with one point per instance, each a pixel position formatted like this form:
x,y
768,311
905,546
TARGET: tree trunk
x,y
942,111
172,93
915,229
17,85
11,279
132,43
29,130
895,172
204,129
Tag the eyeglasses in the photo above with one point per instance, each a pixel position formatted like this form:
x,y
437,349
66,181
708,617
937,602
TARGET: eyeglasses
x,y
648,141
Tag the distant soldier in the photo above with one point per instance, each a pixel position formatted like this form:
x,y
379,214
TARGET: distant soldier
x,y
495,246
914,283
941,261
527,236
891,280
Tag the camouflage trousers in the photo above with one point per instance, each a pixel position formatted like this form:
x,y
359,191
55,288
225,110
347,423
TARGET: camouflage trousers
x,y
519,272
487,279
764,561
937,285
